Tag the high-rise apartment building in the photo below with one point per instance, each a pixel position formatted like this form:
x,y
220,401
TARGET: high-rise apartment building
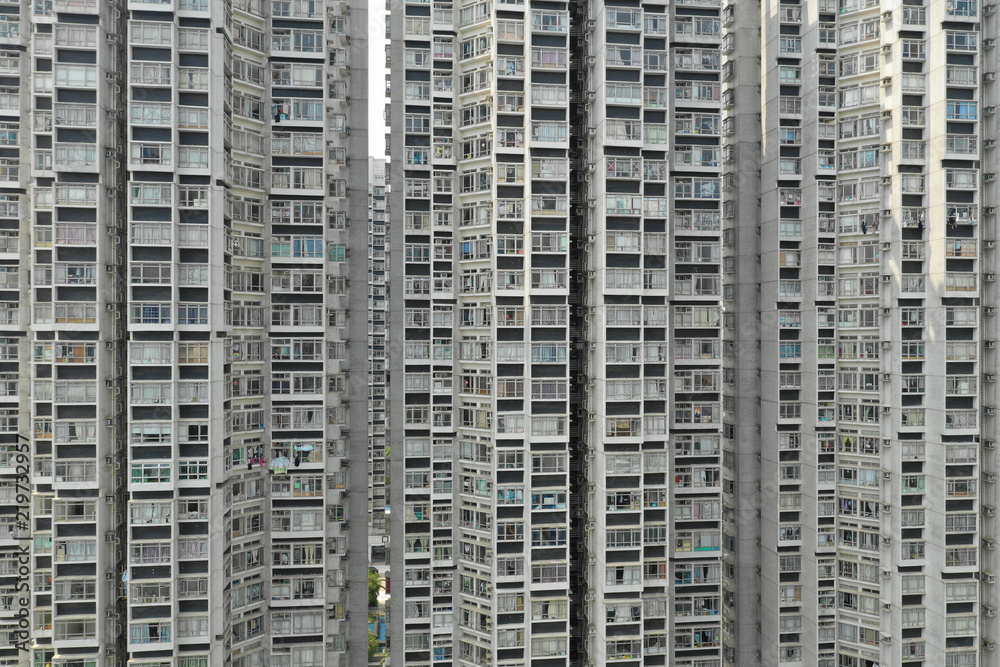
x,y
876,382
693,332
184,212
678,344
378,314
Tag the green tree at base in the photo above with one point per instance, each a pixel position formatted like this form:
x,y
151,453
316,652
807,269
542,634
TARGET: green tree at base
x,y
374,586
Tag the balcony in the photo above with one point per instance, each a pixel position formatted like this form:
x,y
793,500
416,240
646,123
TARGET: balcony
x,y
960,420
655,170
656,134
510,31
624,19
696,478
623,130
656,61
961,282
692,156
297,179
956,110
697,28
150,633
543,95
280,8
549,205
151,155
75,6
962,40
962,9
76,313
556,132
623,56
624,167
790,106
417,27
704,92
549,58
150,74
10,30
624,93
694,543
149,33
192,39
914,16
697,188
697,285
192,78
703,60
510,66
311,111
697,123
75,115
790,14
75,36
623,205
962,144
655,25
962,75
961,248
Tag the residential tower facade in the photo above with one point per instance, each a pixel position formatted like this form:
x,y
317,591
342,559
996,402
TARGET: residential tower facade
x,y
697,333
193,179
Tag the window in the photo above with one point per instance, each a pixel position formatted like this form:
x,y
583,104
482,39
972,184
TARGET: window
x,y
789,44
956,110
296,623
77,76
191,470
192,156
551,353
962,40
150,113
150,313
150,473
149,633
192,313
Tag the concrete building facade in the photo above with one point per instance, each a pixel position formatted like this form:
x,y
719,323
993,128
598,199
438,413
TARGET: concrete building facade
x,y
193,180
698,333
679,340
